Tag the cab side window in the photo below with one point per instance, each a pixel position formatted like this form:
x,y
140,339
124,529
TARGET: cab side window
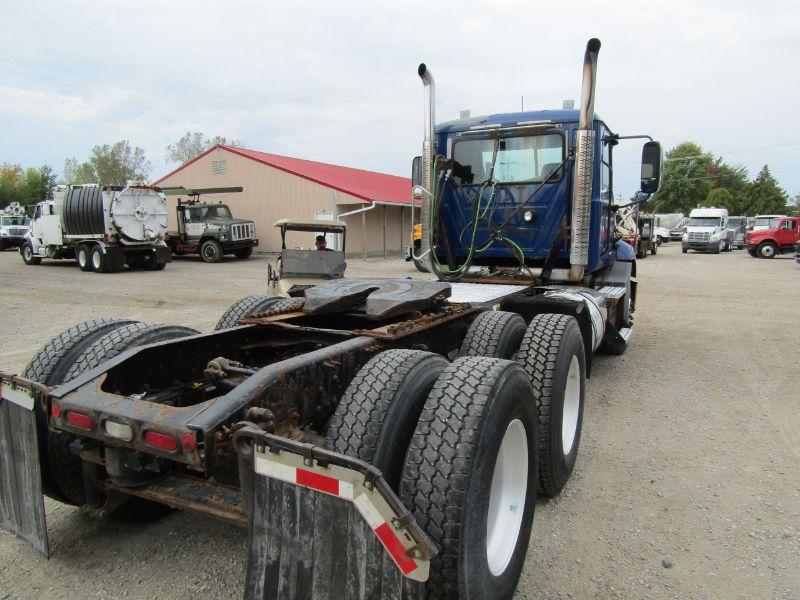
x,y
788,225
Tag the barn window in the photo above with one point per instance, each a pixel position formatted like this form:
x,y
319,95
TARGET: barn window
x,y
219,167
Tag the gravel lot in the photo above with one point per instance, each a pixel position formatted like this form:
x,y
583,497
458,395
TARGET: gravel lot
x,y
687,483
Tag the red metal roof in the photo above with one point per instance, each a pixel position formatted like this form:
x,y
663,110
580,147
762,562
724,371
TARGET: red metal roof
x,y
367,185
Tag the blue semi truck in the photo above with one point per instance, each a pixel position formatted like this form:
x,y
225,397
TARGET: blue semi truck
x,y
377,438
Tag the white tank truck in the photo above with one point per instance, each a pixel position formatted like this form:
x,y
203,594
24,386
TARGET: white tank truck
x,y
103,228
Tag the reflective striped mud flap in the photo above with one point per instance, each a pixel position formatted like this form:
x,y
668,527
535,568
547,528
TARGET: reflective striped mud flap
x,y
21,499
325,526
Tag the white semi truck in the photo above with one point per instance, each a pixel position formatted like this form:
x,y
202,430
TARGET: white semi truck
x,y
13,226
708,231
103,228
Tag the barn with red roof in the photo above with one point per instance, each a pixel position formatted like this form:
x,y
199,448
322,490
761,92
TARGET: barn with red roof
x,y
375,206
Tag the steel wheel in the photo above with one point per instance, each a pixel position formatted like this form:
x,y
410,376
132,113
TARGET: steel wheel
x,y
507,498
571,406
27,253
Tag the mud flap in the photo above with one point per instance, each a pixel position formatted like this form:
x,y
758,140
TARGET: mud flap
x,y
325,526
21,499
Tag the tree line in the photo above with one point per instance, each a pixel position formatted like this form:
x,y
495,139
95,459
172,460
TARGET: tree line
x,y
107,164
693,177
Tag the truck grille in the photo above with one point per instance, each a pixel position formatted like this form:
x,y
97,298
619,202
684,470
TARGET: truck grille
x,y
699,237
243,231
17,231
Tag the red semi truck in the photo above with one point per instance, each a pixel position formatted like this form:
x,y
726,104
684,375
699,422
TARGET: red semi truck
x,y
782,236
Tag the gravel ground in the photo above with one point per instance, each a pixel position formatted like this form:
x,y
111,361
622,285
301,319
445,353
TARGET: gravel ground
x,y
687,484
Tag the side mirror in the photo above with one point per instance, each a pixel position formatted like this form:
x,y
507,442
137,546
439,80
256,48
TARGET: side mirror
x,y
416,171
651,167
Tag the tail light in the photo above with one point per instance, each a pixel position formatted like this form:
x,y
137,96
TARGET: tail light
x,y
162,441
79,420
55,410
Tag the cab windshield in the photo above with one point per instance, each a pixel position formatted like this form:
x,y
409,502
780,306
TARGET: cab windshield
x,y
771,222
205,213
704,221
19,221
519,159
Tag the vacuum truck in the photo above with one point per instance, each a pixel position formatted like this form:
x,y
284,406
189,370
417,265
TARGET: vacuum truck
x,y
378,438
103,228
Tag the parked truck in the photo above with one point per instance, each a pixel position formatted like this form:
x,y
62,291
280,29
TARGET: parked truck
x,y
708,231
209,229
14,225
780,236
104,228
379,438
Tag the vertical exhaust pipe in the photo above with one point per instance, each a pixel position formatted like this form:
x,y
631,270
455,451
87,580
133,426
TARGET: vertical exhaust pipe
x,y
584,162
428,150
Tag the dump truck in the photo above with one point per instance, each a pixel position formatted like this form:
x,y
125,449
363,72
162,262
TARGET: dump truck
x,y
209,229
103,228
377,438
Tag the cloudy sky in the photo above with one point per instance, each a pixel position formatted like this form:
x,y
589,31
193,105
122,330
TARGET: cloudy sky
x,y
336,81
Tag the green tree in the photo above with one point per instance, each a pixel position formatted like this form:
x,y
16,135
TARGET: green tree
x,y
721,198
10,184
734,180
39,183
766,196
685,181
194,143
109,165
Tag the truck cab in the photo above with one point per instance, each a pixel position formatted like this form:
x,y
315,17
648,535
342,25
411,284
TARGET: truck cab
x,y
209,229
708,231
781,235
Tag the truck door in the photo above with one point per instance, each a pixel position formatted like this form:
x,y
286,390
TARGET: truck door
x,y
787,233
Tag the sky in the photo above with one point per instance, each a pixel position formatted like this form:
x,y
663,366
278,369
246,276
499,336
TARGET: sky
x,y
336,81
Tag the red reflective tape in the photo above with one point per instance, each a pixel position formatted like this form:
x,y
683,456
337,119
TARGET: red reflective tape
x,y
395,548
323,483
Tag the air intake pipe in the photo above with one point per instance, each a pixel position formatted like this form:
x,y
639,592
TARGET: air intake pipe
x,y
428,150
584,162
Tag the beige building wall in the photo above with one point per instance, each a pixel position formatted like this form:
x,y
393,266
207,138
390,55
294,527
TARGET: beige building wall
x,y
271,194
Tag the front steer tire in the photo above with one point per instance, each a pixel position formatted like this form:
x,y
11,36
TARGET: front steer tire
x,y
243,253
249,305
50,366
377,414
497,334
553,355
211,251
474,408
27,255
767,250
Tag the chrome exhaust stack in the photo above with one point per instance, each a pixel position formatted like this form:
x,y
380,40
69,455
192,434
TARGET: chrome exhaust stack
x,y
428,150
584,161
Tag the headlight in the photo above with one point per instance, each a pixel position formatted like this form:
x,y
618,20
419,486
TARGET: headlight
x,y
715,235
223,228
3,233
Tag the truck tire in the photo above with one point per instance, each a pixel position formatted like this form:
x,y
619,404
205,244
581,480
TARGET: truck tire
x,y
211,251
49,366
82,255
684,250
106,347
497,334
378,412
249,305
752,252
156,266
243,253
476,437
27,255
654,247
553,355
718,248
767,250
99,262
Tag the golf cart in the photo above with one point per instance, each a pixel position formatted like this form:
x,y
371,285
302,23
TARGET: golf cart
x,y
298,268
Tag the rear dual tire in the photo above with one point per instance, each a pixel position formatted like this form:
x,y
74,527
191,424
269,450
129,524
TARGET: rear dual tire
x,y
74,351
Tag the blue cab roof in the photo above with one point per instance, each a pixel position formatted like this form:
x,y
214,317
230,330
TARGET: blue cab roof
x,y
510,119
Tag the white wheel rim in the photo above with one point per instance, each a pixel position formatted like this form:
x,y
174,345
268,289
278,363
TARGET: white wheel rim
x,y
82,257
28,253
571,406
767,251
96,260
507,498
